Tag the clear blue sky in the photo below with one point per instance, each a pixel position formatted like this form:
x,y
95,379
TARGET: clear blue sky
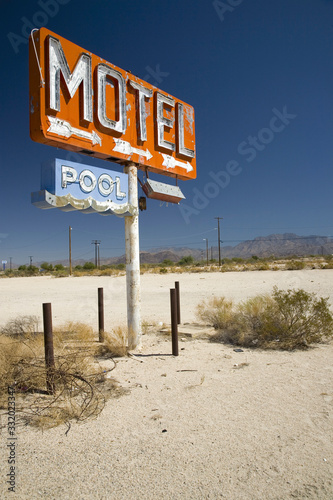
x,y
259,75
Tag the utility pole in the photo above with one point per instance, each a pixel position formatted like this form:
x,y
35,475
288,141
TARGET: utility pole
x,y
96,243
30,257
10,263
70,250
218,236
206,240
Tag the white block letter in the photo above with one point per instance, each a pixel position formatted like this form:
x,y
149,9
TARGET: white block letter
x,y
81,74
104,71
162,121
142,93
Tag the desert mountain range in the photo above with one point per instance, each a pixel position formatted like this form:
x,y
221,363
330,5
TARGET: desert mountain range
x,y
279,245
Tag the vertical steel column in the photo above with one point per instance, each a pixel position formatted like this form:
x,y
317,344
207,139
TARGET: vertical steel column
x,y
101,314
174,326
133,261
48,345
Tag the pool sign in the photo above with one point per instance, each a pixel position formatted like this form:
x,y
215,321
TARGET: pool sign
x,y
83,103
75,186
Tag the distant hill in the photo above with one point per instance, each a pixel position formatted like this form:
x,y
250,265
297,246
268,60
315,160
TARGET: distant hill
x,y
279,245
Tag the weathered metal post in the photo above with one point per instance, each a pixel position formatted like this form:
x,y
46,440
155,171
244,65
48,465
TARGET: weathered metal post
x,y
178,301
101,314
48,345
174,326
133,261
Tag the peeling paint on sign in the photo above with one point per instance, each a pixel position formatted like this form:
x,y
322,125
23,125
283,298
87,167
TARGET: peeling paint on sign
x,y
88,104
75,186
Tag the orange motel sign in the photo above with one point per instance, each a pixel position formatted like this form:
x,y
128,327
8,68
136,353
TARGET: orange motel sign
x,y
82,103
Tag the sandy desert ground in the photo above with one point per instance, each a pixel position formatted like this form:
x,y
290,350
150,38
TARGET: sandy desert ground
x,y
210,423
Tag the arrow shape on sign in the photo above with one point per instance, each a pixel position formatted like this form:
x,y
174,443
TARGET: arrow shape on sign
x,y
125,148
65,129
171,162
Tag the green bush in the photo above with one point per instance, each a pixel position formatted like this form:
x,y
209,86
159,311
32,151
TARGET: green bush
x,y
46,266
32,270
291,319
187,260
167,262
88,266
121,267
163,270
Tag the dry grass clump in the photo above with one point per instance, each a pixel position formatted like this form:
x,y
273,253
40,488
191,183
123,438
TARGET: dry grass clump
x,y
75,331
217,311
82,384
292,319
115,342
149,326
295,265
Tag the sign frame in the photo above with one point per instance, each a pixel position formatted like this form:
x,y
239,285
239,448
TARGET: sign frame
x,y
80,102
70,186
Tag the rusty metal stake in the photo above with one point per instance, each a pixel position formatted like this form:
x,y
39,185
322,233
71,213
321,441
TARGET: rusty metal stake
x,y
178,301
48,345
174,325
100,315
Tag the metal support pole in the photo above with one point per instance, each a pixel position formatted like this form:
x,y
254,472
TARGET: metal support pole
x,y
48,345
133,261
100,315
174,326
178,301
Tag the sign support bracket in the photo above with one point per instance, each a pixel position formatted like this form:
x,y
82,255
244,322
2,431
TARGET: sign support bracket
x,y
132,252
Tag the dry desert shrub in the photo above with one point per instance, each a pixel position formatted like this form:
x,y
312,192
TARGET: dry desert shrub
x,y
148,326
217,311
329,265
21,326
295,265
292,319
81,384
75,331
115,342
